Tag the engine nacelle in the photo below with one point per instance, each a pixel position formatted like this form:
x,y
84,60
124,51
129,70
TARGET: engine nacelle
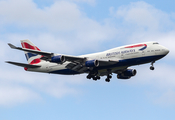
x,y
120,76
58,59
127,74
92,63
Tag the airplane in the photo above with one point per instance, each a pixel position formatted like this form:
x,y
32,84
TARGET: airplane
x,y
116,60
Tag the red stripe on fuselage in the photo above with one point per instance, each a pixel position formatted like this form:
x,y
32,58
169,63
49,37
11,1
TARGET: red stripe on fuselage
x,y
139,45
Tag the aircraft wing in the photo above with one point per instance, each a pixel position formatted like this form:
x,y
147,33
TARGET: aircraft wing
x,y
23,64
31,51
49,54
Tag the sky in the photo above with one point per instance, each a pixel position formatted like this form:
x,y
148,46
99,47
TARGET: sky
x,y
76,27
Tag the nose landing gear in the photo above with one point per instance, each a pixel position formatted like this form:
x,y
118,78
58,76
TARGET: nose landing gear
x,y
152,67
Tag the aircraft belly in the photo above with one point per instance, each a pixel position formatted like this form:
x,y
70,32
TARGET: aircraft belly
x,y
64,72
61,69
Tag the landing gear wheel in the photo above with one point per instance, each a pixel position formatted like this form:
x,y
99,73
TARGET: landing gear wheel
x,y
88,77
109,76
94,78
107,80
98,77
151,68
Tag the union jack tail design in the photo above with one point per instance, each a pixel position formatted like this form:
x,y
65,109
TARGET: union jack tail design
x,y
31,58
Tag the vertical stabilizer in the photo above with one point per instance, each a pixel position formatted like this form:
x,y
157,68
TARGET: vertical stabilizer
x,y
31,58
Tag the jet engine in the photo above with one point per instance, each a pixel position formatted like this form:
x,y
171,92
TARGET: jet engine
x,y
92,63
58,59
127,74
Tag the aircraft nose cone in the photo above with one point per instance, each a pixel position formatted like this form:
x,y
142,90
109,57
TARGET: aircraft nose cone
x,y
166,51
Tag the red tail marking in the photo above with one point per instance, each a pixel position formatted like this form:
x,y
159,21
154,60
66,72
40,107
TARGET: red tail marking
x,y
28,46
35,61
37,48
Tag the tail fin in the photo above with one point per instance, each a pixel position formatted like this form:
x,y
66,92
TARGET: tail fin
x,y
31,58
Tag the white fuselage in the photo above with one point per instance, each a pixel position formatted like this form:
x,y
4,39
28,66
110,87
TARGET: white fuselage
x,y
126,56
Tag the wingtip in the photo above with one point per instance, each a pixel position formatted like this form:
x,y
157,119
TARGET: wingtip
x,y
12,46
7,61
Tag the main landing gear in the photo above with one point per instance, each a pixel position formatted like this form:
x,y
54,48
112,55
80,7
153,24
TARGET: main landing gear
x,y
108,78
93,75
152,67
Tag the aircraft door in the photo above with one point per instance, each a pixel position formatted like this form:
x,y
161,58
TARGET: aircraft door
x,y
122,56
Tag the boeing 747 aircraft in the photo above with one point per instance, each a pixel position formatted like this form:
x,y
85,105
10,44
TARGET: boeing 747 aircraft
x,y
116,60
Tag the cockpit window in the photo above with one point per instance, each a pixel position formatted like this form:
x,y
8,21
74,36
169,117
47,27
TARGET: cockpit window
x,y
155,43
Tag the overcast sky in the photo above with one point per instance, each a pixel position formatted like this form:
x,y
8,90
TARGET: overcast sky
x,y
77,27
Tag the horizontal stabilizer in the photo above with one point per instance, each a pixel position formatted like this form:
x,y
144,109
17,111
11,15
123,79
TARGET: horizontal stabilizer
x,y
23,64
31,51
12,46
